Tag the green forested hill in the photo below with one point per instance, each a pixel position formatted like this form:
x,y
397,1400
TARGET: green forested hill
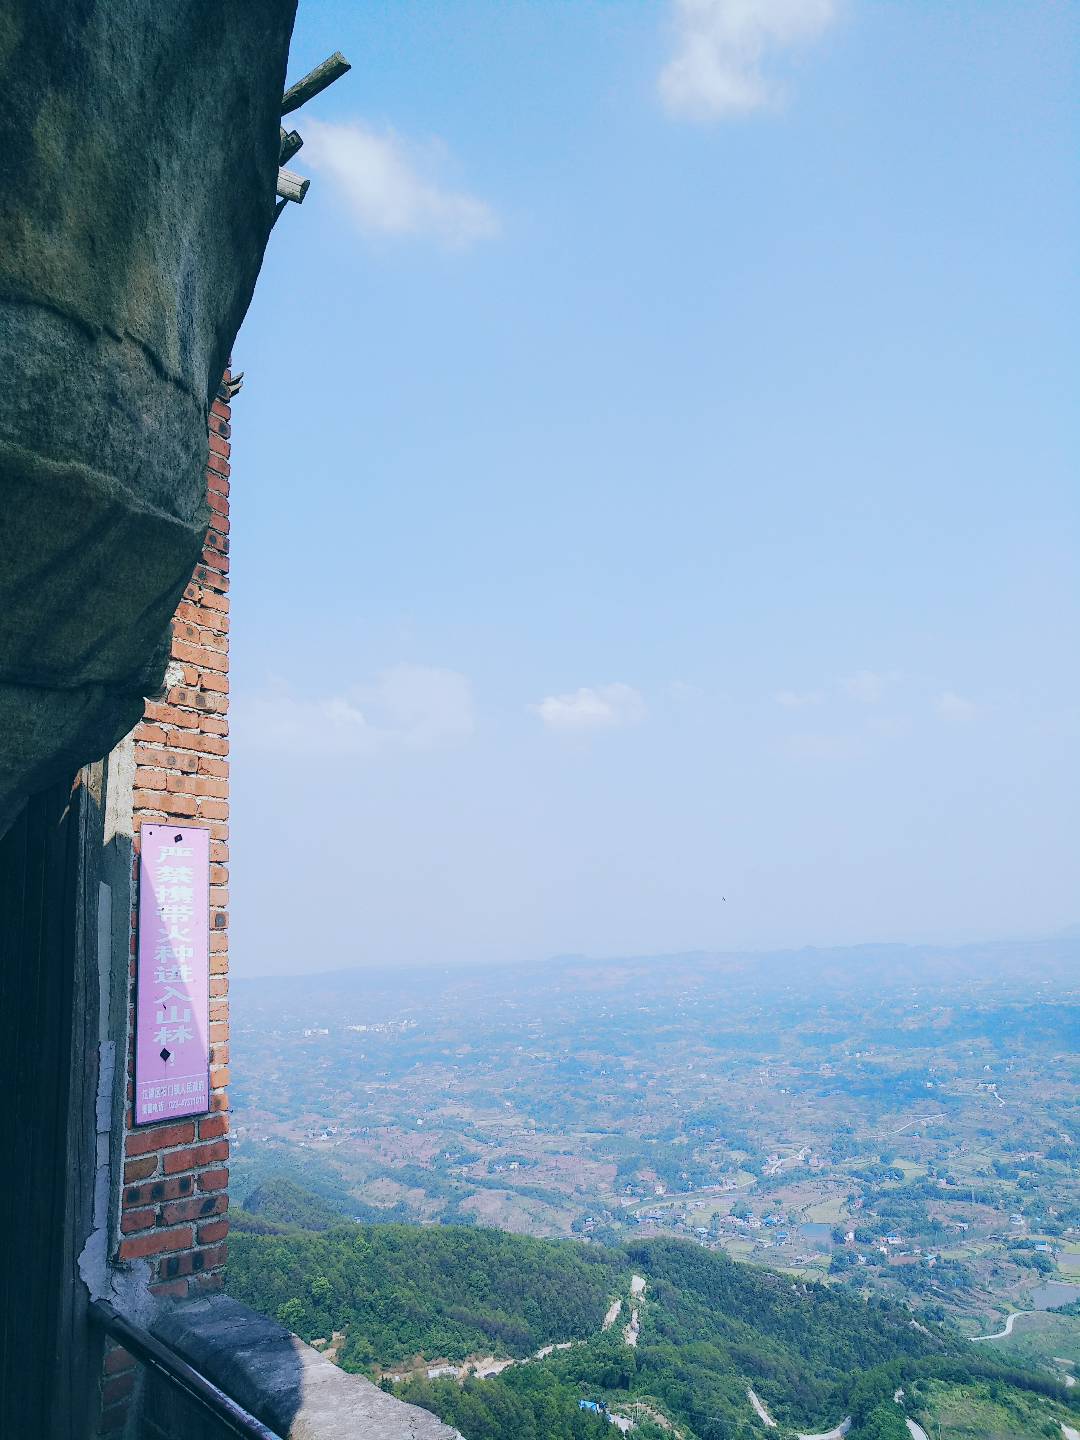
x,y
711,1328
398,1290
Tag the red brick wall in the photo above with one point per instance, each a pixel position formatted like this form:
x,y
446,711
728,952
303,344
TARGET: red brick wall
x,y
175,1179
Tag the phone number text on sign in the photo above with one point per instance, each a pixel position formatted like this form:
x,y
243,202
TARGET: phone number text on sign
x,y
172,989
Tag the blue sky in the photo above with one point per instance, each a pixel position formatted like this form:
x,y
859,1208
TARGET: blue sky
x,y
653,519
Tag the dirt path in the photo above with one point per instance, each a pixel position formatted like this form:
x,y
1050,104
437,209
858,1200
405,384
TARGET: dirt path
x,y
633,1330
836,1433
759,1409
916,1431
613,1314
546,1350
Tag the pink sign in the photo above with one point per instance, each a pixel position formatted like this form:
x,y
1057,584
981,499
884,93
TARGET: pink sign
x,y
172,1004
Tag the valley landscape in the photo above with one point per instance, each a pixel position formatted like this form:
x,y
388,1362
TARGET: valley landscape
x,y
886,1135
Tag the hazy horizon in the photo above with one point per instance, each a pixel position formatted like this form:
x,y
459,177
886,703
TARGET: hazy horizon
x,y
867,949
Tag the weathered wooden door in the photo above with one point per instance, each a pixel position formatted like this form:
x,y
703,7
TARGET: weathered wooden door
x,y
44,1349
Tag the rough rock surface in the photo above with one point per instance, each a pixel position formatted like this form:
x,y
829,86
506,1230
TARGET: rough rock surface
x,y
140,148
286,1384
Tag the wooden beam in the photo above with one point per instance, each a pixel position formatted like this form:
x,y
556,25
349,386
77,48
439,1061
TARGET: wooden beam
x,y
291,186
313,84
291,142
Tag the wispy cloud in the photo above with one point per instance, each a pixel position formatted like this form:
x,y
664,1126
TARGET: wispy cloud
x,y
816,748
408,707
721,47
955,707
389,188
600,707
798,699
868,686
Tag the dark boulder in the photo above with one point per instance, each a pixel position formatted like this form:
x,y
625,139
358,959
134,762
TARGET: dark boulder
x,y
140,145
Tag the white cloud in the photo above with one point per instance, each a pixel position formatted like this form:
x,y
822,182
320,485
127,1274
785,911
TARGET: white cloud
x,y
720,48
601,707
409,707
955,707
816,748
797,699
891,727
383,181
868,686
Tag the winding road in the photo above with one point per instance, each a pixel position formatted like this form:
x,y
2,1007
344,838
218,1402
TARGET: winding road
x,y
1009,1323
836,1433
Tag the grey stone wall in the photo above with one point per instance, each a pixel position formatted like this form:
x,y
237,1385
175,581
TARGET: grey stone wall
x,y
284,1383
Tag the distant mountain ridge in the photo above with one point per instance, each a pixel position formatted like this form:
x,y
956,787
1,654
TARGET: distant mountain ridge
x,y
1057,954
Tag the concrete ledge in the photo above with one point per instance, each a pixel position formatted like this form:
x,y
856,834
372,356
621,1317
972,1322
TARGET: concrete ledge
x,y
282,1381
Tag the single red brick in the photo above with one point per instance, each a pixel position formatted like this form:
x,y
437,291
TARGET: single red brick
x,y
151,734
117,1388
185,648
159,1137
213,1179
162,759
202,740
141,1169
189,698
211,1126
212,1230
170,715
199,1207
118,1359
158,1242
163,803
173,1290
171,1266
148,777
195,784
219,1078
213,1257
137,1220
176,1187
177,1160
